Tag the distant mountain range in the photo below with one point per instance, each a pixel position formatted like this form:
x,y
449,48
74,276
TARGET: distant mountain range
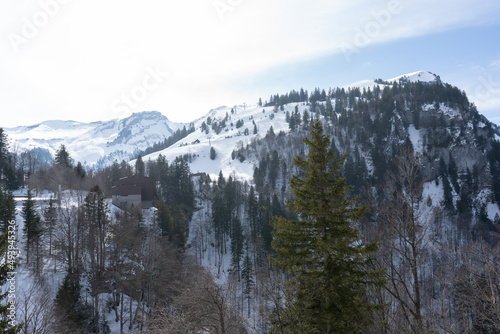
x,y
97,141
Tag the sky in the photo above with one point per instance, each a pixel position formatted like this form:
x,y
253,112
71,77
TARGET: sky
x,y
100,60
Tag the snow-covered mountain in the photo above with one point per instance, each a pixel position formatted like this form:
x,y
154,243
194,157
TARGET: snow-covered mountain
x,y
90,142
104,142
231,137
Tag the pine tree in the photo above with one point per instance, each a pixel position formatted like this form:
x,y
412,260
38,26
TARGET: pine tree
x,y
236,245
50,219
7,209
95,211
324,254
164,219
139,166
32,225
62,157
79,170
247,277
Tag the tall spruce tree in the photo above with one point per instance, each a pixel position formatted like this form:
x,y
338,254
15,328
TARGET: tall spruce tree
x,y
62,157
32,225
329,264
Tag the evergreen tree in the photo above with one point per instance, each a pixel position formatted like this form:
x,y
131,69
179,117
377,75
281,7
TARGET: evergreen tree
x,y
140,169
50,219
253,212
324,254
180,228
95,213
79,170
213,154
32,225
247,277
237,242
164,219
7,209
62,157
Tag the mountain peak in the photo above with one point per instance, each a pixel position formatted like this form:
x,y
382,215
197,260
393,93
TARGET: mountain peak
x,y
423,76
148,115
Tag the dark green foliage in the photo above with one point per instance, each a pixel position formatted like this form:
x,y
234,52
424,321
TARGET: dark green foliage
x,y
322,251
180,228
175,137
63,158
453,172
7,209
247,277
176,188
164,219
79,170
292,97
32,224
237,242
140,168
9,176
213,154
72,312
494,160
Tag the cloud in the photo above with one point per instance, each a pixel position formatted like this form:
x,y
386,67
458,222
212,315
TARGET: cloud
x,y
92,52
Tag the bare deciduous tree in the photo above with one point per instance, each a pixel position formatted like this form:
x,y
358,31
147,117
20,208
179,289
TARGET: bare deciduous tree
x,y
36,308
404,229
477,289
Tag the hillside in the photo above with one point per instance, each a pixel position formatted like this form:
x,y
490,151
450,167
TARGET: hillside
x,y
419,156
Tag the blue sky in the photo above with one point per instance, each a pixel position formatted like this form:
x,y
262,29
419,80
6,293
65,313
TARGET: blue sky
x,y
93,60
468,58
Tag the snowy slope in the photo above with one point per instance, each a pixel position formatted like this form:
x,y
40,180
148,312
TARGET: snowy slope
x,y
231,138
88,142
422,76
199,142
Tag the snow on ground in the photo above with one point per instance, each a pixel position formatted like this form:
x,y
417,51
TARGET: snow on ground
x,y
493,211
416,139
230,138
422,76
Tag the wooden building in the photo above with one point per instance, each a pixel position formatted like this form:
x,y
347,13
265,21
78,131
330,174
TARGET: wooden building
x,y
136,190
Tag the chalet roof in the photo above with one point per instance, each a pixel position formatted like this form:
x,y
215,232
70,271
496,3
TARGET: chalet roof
x,y
136,179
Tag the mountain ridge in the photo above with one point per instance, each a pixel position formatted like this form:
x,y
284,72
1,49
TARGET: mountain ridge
x,y
90,142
